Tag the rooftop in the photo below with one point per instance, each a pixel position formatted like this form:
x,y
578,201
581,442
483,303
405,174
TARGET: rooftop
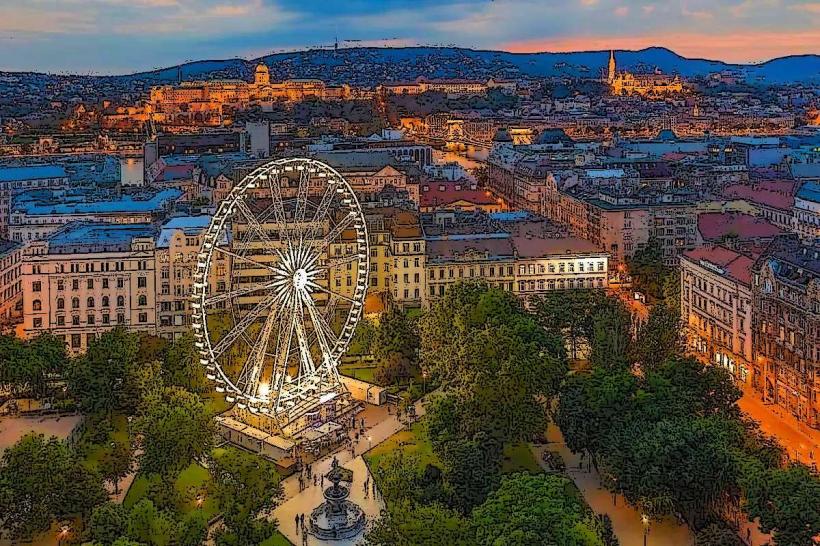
x,y
716,225
32,172
775,194
541,247
66,202
96,237
723,261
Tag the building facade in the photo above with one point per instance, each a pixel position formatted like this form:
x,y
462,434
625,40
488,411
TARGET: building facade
x,y
716,307
11,293
87,278
786,296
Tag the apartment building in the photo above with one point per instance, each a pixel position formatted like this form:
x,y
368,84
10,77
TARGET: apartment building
x,y
15,180
716,307
11,293
786,323
87,278
177,248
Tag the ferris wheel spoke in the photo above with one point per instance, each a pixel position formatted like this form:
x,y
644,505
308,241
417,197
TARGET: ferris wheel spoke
x,y
277,206
282,352
334,233
249,377
246,259
243,324
321,210
330,292
240,292
324,333
254,223
302,194
307,367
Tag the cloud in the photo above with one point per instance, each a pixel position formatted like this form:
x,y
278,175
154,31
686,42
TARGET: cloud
x,y
811,7
621,11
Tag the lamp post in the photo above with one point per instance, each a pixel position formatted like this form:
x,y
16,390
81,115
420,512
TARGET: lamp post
x,y
423,382
369,442
645,521
63,533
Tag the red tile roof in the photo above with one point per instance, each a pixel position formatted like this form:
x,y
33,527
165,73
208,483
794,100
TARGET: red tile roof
x,y
715,225
441,193
777,194
539,247
737,266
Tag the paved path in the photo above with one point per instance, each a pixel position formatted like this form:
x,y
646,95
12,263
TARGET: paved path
x,y
626,520
14,428
379,427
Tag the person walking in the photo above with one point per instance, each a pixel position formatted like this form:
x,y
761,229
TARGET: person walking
x,y
297,523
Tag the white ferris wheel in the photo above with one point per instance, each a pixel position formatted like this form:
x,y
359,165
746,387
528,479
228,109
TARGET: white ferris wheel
x,y
279,288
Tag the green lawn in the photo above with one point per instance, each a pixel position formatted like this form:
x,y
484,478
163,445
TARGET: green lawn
x,y
92,453
413,441
519,458
190,483
358,371
277,540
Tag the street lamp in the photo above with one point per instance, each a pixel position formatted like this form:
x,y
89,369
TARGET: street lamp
x,y
423,382
645,521
61,536
369,442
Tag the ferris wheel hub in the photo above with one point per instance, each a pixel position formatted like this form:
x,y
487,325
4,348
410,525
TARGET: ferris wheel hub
x,y
300,279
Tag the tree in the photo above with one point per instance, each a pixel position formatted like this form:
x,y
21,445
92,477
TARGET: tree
x,y
395,335
148,525
109,521
176,429
659,339
534,509
410,524
246,485
394,368
192,529
611,336
115,464
716,534
569,313
42,481
98,378
182,366
29,366
647,268
785,500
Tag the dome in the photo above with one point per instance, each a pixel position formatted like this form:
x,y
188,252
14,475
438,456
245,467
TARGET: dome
x,y
262,67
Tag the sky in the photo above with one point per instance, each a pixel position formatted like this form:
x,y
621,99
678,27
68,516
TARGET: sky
x,y
124,36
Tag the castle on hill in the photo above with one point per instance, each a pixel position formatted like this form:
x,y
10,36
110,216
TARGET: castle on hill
x,y
627,83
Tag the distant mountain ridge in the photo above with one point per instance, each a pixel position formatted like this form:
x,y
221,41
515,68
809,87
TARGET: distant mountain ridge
x,y
371,65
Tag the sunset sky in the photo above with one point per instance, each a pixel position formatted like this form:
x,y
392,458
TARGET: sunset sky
x,y
120,36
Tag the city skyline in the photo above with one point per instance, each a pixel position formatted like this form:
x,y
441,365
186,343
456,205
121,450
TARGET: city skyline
x,y
119,36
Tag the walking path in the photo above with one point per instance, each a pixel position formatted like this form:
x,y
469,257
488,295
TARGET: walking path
x,y
626,520
379,426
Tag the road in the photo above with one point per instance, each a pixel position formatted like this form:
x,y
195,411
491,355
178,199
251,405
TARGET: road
x,y
801,442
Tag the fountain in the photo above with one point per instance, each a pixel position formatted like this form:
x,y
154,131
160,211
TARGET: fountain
x,y
337,518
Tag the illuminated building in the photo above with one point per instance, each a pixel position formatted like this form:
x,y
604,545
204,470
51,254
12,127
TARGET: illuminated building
x,y
626,83
11,294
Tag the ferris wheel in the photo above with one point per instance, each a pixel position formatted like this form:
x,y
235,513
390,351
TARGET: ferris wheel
x,y
279,287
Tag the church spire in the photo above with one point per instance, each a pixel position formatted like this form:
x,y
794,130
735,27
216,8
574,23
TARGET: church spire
x,y
610,76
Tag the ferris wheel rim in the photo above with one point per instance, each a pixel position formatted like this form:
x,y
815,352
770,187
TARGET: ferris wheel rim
x,y
327,370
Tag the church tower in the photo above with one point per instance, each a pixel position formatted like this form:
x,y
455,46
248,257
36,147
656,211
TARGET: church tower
x,y
610,75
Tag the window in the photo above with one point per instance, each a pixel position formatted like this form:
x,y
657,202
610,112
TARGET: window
x,y
120,318
75,341
120,283
90,284
89,303
75,320
36,286
120,301
142,282
142,300
90,319
105,283
75,284
60,303
61,320
143,317
60,284
37,305
38,322
105,301
75,303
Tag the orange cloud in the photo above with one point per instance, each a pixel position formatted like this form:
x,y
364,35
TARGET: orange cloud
x,y
737,46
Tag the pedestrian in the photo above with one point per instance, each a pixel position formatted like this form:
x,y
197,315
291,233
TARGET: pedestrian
x,y
323,480
314,480
302,518
374,489
297,524
304,539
